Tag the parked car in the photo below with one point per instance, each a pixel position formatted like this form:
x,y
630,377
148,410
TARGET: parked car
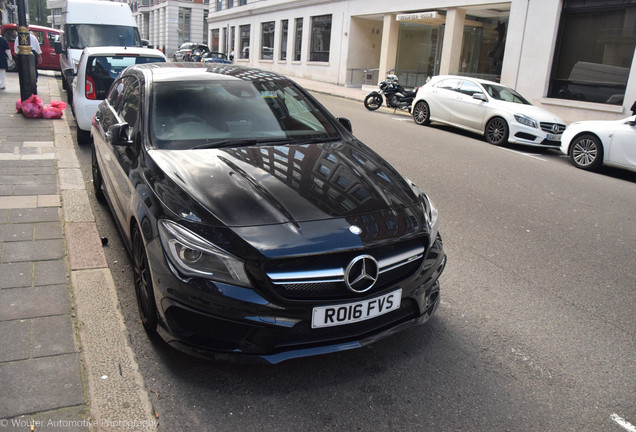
x,y
188,50
46,36
91,23
215,57
259,227
498,112
591,144
97,69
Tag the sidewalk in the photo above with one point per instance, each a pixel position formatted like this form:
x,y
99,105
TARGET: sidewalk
x,y
65,362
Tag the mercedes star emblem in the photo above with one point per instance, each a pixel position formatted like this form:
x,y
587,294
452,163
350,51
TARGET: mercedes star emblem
x,y
362,273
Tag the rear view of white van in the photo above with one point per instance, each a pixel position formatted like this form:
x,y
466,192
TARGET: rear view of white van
x,y
89,23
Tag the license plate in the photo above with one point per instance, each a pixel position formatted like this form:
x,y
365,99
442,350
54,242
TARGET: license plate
x,y
329,316
552,137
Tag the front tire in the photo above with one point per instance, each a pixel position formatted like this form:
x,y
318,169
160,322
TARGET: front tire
x,y
143,284
586,152
373,101
422,113
497,131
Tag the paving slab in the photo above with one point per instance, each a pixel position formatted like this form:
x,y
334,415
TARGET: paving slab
x,y
10,332
16,275
37,250
38,388
84,246
52,336
44,214
16,232
33,302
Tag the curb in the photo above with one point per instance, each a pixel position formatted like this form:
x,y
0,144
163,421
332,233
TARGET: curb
x,y
117,396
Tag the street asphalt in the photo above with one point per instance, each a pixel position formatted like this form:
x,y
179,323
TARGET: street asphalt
x,y
65,359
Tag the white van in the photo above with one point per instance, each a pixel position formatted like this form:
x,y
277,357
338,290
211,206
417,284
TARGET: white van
x,y
89,23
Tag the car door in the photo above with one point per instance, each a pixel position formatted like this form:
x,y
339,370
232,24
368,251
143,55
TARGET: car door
x,y
442,98
623,145
466,110
128,111
122,105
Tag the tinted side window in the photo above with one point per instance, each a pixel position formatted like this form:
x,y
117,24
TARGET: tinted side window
x,y
469,88
128,105
448,84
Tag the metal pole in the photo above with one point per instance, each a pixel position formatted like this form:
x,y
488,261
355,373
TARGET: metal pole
x,y
26,60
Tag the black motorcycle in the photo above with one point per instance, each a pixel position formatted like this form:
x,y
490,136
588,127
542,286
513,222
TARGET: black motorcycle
x,y
396,96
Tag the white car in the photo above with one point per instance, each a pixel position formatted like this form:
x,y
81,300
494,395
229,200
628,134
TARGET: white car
x,y
590,144
97,69
498,112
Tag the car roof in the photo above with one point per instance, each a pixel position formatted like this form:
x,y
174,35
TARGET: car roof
x,y
479,80
114,50
190,71
31,27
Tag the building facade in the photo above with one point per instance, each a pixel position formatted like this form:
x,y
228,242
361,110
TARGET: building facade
x,y
572,57
167,24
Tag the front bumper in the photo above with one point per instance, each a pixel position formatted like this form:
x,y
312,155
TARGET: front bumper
x,y
221,321
526,135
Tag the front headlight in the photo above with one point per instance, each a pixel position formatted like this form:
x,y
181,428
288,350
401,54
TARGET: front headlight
x,y
194,256
525,120
430,211
433,216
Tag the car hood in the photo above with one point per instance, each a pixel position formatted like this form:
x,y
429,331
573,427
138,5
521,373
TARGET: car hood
x,y
532,111
599,125
263,185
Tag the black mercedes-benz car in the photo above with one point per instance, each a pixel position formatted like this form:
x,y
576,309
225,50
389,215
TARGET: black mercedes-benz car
x,y
260,228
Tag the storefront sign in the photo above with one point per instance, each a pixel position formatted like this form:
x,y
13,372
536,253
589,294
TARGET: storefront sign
x,y
417,16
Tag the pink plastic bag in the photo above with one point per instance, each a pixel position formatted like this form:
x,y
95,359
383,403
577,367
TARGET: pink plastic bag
x,y
51,112
32,107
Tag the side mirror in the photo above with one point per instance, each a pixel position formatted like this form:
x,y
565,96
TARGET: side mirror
x,y
57,45
631,123
346,123
480,96
119,135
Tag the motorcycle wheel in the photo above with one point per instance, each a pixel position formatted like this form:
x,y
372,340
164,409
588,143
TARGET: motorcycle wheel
x,y
373,101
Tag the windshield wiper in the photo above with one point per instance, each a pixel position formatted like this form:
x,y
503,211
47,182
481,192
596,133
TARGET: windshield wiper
x,y
254,141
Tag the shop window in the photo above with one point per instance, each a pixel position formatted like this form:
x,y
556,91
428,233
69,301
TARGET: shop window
x,y
594,52
267,40
245,41
483,48
320,38
283,39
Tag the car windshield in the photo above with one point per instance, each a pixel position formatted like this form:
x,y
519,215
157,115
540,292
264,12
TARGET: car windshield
x,y
223,113
506,94
101,70
81,36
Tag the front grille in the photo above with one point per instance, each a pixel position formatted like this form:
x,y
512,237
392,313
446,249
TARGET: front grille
x,y
550,127
317,277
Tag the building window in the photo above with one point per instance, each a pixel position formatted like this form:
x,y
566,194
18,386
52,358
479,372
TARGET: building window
x,y
594,52
267,40
320,38
298,39
245,41
230,4
183,30
219,5
214,43
242,2
283,39
233,40
225,41
205,26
